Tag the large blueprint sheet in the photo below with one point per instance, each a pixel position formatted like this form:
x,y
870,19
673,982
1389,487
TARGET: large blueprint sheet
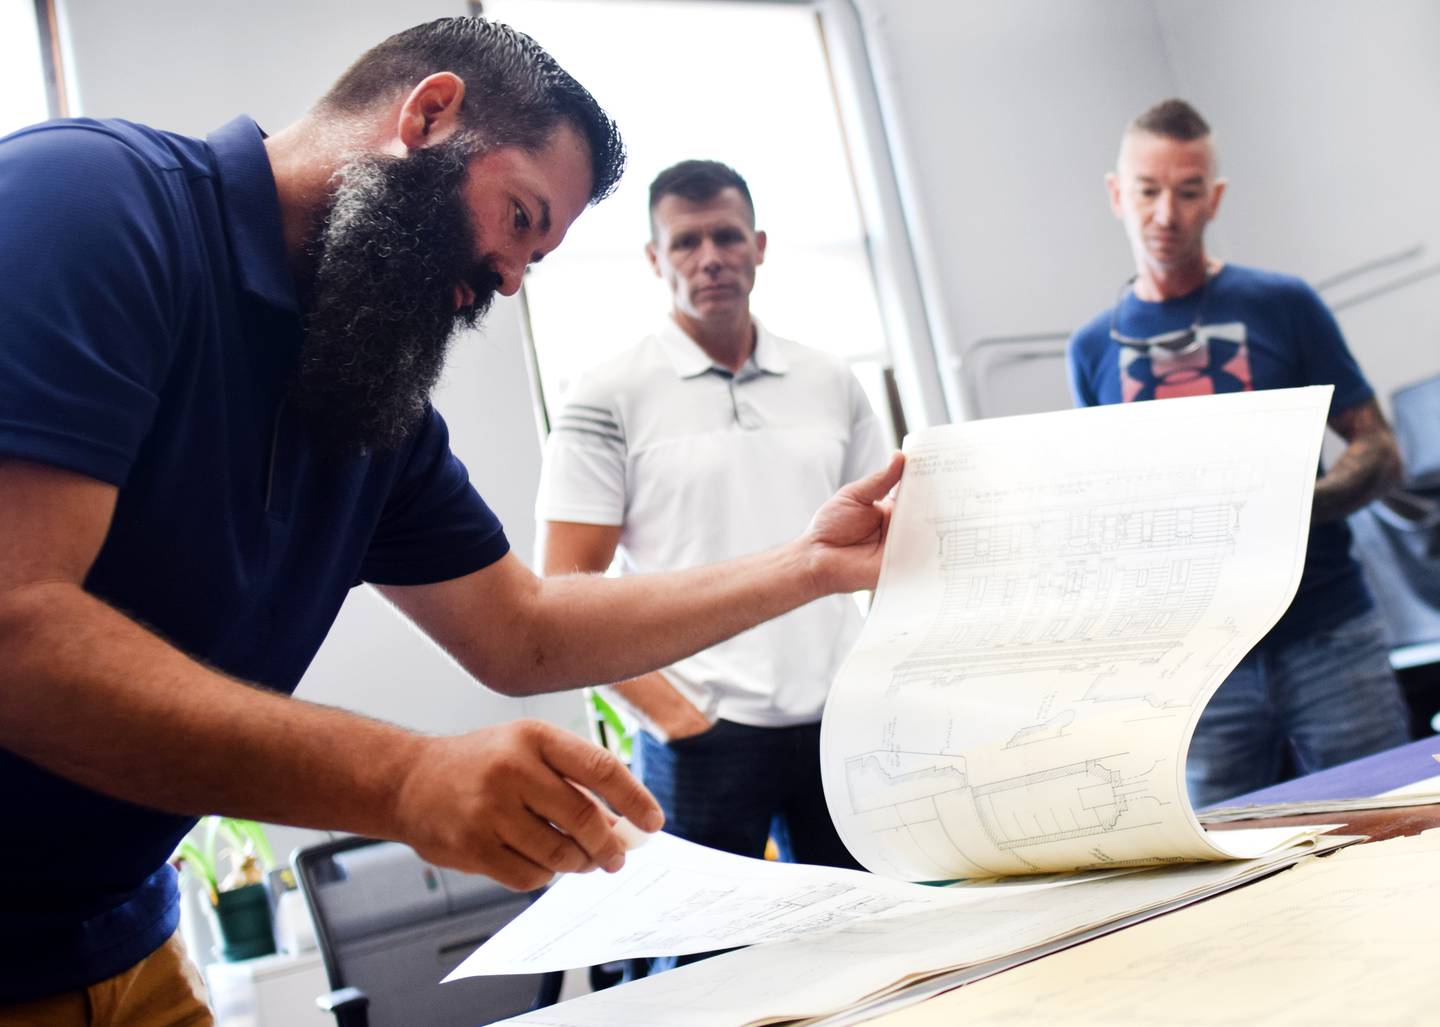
x,y
1061,594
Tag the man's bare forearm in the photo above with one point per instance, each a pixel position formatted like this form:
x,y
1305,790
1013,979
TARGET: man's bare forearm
x,y
663,707
1367,469
665,617
1365,472
89,694
521,634
577,547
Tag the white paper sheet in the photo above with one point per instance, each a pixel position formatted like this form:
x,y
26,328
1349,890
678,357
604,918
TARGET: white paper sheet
x,y
830,971
1429,787
1061,594
674,898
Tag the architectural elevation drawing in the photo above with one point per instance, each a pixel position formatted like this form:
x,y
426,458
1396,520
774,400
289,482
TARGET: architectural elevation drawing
x,y
1061,595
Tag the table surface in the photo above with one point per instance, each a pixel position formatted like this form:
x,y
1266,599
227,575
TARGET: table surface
x,y
1375,824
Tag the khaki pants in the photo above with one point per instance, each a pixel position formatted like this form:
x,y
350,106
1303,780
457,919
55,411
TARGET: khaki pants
x,y
162,990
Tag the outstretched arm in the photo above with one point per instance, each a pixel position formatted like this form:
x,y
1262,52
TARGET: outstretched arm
x,y
1369,467
569,547
91,695
521,634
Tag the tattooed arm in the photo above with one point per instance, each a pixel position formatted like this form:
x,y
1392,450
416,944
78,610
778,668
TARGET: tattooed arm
x,y
1369,467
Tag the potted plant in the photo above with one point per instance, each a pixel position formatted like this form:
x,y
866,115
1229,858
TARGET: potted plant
x,y
239,898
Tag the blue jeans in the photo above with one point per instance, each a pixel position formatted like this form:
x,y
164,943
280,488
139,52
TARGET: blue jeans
x,y
734,786
1309,703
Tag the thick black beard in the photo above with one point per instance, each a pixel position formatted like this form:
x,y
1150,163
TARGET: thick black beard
x,y
381,309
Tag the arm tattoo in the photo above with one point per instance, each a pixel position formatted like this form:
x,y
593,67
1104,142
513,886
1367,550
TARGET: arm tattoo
x,y
1369,467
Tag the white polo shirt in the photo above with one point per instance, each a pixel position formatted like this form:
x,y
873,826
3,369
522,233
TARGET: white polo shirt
x,y
697,466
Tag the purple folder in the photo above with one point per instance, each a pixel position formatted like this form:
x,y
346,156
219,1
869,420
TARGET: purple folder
x,y
1358,779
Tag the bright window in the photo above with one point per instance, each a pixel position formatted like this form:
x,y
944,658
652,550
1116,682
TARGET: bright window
x,y
744,83
22,73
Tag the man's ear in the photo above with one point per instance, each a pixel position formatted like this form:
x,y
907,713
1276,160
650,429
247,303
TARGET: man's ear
x,y
431,113
1216,191
652,256
760,246
1112,189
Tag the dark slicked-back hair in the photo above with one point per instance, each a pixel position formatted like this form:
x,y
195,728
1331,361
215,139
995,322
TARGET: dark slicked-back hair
x,y
697,181
1171,119
515,93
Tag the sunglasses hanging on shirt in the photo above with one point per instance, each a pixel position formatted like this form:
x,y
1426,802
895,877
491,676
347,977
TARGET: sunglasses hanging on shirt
x,y
1175,343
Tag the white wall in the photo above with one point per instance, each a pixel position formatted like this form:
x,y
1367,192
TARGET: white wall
x,y
1005,114
189,66
1326,113
271,59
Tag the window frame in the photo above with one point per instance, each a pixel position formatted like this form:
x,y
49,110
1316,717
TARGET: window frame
x,y
47,24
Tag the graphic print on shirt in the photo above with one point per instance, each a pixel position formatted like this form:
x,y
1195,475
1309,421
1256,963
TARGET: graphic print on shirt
x,y
1220,362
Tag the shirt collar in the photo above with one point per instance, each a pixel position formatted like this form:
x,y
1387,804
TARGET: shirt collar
x,y
250,205
689,360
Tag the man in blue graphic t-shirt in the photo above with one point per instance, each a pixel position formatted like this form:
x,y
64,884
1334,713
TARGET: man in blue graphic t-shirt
x,y
1319,684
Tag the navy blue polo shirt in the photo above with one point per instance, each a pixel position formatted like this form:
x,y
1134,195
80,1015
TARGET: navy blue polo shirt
x,y
148,328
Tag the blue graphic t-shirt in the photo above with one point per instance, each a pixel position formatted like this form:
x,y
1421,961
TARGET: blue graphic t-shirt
x,y
1254,330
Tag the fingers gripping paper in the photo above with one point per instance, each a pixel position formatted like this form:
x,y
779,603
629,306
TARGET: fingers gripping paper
x,y
1061,594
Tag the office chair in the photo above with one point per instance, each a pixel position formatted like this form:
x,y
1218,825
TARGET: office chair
x,y
390,926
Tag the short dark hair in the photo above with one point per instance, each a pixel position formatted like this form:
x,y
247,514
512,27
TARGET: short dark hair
x,y
515,92
1171,119
697,181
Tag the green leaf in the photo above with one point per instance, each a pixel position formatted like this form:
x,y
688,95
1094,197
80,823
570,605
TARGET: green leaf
x,y
199,863
614,724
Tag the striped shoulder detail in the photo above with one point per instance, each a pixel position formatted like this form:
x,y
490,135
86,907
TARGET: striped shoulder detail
x,y
587,419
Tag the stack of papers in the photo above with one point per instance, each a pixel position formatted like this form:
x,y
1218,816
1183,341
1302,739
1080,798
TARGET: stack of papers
x,y
1348,939
1421,793
871,964
676,898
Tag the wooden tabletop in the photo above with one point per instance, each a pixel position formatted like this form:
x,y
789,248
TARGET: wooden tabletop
x,y
1376,824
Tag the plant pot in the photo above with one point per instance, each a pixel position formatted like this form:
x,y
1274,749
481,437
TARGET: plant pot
x,y
244,918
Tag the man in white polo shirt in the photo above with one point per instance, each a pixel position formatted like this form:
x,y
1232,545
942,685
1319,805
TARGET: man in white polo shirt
x,y
712,438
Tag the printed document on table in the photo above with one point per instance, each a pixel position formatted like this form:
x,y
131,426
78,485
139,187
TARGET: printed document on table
x,y
1061,594
674,898
831,971
1349,939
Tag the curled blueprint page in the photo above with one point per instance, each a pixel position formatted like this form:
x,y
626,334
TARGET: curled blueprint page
x,y
1060,596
